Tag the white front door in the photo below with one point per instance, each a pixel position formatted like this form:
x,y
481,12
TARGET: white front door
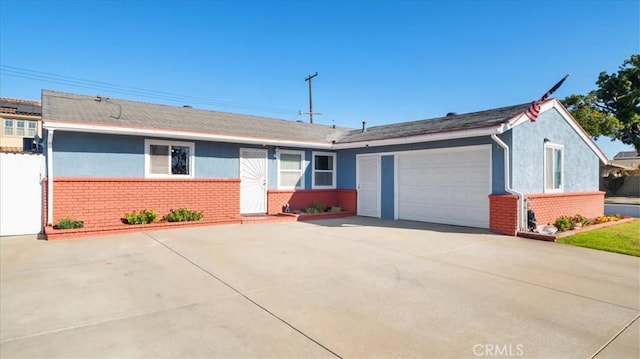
x,y
368,185
253,181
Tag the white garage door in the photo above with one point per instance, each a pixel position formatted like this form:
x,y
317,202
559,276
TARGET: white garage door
x,y
449,186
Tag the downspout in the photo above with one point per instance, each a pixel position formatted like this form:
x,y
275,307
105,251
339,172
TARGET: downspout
x,y
507,182
49,177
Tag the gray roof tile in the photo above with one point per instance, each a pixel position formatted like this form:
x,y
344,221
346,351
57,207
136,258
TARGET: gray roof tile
x,y
455,122
115,112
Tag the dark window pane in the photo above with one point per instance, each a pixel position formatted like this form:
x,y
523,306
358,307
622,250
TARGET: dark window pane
x,y
324,163
179,160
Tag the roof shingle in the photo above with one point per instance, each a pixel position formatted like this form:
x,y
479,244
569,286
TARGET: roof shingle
x,y
65,107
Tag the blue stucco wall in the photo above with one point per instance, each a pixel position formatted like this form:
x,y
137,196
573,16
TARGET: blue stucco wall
x,y
78,154
497,164
98,155
387,187
581,164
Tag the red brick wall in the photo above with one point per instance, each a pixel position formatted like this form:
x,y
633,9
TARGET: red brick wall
x,y
300,199
549,206
503,214
103,202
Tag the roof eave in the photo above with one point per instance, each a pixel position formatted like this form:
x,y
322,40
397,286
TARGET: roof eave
x,y
439,136
54,125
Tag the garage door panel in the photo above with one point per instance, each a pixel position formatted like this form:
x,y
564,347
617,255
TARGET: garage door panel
x,y
449,186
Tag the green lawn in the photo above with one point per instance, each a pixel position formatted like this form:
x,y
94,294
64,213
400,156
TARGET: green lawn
x,y
620,238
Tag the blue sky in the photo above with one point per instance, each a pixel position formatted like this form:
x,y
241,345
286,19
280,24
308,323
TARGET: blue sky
x,y
378,61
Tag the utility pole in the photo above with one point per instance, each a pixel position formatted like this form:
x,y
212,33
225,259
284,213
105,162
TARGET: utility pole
x,y
308,78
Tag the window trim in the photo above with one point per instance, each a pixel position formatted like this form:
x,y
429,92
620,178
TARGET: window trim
x,y
14,127
553,146
34,128
4,126
303,165
147,158
334,171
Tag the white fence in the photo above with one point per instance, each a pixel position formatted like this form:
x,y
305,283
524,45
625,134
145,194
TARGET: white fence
x,y
21,193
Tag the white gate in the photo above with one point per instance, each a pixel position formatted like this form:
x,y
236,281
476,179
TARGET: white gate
x,y
20,193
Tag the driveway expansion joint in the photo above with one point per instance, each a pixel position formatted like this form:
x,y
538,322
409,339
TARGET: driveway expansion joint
x,y
615,336
243,295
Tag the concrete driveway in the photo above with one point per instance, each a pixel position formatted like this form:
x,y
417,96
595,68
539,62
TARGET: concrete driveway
x,y
352,287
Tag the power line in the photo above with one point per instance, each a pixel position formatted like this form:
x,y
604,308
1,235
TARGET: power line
x,y
130,90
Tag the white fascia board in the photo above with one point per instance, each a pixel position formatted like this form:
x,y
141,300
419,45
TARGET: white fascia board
x,y
477,132
116,130
555,103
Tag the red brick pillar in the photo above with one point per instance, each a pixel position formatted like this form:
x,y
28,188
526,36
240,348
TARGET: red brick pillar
x,y
503,214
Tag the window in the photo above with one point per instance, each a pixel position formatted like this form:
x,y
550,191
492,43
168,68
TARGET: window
x,y
19,127
8,127
553,167
168,159
324,170
33,128
291,169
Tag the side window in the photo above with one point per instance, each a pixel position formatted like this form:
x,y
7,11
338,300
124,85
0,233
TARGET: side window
x,y
8,127
166,159
291,169
553,167
324,170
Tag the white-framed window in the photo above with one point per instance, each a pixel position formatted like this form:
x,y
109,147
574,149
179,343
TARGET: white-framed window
x,y
324,170
19,128
32,128
291,167
8,127
168,159
553,167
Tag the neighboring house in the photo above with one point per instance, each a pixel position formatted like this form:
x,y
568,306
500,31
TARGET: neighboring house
x,y
21,119
629,159
107,157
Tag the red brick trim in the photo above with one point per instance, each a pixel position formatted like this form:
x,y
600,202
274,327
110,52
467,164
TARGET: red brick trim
x,y
503,214
549,206
300,199
102,202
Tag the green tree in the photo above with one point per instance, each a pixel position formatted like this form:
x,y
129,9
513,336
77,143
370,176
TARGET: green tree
x,y
614,108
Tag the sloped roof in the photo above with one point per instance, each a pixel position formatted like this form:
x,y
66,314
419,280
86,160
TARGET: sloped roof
x,y
454,122
74,108
625,154
74,112
20,107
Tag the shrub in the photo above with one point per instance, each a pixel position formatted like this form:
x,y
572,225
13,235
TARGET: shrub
x,y
563,223
183,215
578,218
145,216
605,219
316,207
335,209
68,223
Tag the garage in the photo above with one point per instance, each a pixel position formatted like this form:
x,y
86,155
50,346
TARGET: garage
x,y
447,185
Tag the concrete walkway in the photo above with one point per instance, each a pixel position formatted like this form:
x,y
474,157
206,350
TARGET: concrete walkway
x,y
351,287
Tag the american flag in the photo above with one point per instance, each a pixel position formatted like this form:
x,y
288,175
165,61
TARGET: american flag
x,y
534,109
